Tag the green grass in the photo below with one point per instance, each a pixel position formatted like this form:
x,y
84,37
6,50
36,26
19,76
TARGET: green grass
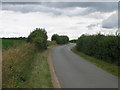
x,y
25,67
111,68
8,43
51,43
40,77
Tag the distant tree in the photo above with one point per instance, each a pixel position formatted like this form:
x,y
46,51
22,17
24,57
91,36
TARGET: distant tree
x,y
54,37
73,41
60,39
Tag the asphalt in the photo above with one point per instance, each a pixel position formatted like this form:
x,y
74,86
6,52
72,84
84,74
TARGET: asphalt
x,y
75,72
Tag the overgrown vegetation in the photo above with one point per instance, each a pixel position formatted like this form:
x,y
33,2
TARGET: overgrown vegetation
x,y
25,65
17,65
106,48
111,68
60,39
51,43
39,38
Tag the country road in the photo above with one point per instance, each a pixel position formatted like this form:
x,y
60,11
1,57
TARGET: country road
x,y
75,72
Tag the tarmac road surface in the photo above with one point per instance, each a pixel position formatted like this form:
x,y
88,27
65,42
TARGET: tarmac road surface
x,y
75,72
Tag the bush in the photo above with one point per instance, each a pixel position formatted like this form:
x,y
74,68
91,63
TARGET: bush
x,y
54,37
60,39
106,48
73,41
39,38
39,42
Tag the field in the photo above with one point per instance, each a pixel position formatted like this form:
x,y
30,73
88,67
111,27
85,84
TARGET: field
x,y
24,66
9,43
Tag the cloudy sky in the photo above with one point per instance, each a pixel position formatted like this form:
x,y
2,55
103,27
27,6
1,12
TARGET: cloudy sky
x,y
64,18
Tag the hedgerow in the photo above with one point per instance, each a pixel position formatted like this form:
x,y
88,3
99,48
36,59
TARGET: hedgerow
x,y
103,47
60,39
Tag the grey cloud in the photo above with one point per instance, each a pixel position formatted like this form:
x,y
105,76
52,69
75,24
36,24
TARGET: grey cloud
x,y
111,22
58,8
98,6
91,26
31,8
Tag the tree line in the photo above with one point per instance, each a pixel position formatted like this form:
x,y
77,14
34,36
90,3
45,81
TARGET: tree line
x,y
39,38
14,38
106,48
60,39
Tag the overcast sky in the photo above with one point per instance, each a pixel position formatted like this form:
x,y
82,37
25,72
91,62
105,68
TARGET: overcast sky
x,y
64,18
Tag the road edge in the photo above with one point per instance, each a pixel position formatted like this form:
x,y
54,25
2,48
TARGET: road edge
x,y
55,81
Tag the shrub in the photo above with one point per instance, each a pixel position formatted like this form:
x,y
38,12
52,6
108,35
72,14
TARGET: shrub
x,y
39,38
39,42
106,48
54,37
60,39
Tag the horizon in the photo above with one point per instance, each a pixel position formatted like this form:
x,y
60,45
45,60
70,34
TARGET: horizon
x,y
64,18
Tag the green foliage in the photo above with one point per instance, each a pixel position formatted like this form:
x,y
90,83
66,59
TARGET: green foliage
x,y
39,38
111,68
8,43
60,39
51,43
25,67
54,37
106,48
39,42
73,41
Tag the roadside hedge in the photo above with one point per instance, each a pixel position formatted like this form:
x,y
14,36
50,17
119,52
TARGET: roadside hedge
x,y
60,39
105,48
39,38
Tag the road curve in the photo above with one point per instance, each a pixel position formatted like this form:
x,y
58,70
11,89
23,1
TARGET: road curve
x,y
76,72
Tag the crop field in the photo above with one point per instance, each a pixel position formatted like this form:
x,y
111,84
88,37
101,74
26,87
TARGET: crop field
x,y
8,43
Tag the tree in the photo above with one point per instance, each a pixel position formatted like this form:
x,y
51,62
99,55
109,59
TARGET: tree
x,y
54,37
39,38
60,39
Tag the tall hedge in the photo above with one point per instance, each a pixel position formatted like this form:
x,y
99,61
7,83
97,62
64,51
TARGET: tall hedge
x,y
105,48
60,39
39,38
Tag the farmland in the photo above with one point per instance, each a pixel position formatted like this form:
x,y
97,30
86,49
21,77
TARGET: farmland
x,y
9,43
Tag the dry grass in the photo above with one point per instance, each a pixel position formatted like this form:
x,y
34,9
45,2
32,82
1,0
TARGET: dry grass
x,y
25,67
17,63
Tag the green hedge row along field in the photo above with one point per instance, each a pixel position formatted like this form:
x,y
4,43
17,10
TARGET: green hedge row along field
x,y
8,43
106,48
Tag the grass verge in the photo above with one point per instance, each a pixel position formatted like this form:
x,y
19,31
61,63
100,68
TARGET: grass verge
x,y
40,77
111,68
25,67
